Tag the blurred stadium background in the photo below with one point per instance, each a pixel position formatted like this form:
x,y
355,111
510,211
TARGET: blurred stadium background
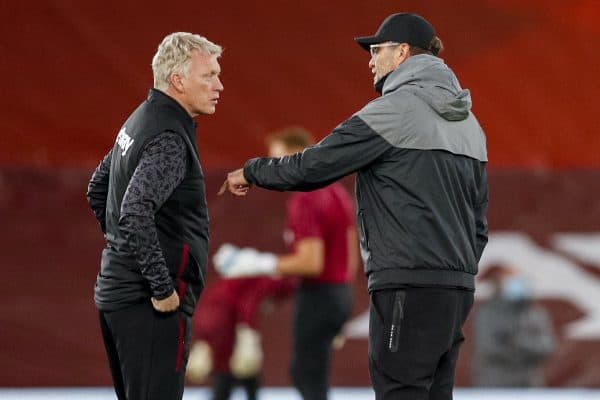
x,y
73,70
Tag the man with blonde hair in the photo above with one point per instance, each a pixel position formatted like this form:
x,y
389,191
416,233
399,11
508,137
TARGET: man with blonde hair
x,y
148,195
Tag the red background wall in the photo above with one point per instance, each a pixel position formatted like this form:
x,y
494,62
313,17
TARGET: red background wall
x,y
74,70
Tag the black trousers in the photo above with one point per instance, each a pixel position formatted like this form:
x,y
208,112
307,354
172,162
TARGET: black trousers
x,y
414,338
320,312
147,351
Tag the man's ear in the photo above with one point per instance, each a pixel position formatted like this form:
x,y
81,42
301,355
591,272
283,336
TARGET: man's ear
x,y
403,53
176,82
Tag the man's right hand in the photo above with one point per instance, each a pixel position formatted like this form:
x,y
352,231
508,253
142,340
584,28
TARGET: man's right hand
x,y
235,183
169,304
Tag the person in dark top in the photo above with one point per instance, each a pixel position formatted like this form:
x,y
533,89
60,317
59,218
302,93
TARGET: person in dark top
x,y
149,198
420,159
321,233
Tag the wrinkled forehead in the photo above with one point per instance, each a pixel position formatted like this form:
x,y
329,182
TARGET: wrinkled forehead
x,y
205,62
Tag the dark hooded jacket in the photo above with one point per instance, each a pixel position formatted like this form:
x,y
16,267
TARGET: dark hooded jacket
x,y
421,186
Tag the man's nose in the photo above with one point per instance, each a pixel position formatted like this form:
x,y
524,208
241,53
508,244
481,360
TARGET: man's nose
x,y
219,86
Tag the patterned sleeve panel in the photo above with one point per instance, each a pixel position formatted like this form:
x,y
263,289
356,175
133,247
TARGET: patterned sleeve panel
x,y
161,169
98,190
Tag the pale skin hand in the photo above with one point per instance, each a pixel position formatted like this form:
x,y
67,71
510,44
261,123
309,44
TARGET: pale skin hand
x,y
235,183
169,304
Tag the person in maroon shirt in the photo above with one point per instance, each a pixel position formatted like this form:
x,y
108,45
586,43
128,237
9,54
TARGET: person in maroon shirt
x,y
323,238
226,338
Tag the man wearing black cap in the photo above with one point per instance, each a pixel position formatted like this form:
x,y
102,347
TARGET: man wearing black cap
x,y
421,187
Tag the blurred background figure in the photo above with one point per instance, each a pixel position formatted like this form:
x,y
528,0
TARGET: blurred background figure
x,y
320,230
227,343
513,335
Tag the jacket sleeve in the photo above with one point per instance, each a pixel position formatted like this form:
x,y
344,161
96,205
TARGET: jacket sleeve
x,y
160,170
351,146
98,190
481,224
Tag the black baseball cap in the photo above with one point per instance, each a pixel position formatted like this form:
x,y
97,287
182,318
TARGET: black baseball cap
x,y
402,28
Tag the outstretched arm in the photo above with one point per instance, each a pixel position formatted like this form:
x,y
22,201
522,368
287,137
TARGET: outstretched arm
x,y
350,147
307,260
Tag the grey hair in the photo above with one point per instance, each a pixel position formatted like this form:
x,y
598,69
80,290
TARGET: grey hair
x,y
175,53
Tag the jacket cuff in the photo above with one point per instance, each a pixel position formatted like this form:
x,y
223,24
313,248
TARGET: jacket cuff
x,y
246,170
163,292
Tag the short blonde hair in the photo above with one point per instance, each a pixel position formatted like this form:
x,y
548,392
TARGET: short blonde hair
x,y
175,53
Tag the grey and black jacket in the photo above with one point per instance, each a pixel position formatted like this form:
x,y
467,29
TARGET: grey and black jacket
x,y
421,186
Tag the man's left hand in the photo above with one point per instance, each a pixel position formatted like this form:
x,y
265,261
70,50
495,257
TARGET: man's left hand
x,y
169,304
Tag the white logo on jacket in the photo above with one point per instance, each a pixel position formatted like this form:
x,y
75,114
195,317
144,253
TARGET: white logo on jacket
x,y
124,140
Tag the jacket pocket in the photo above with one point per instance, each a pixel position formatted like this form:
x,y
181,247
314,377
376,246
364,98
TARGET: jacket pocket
x,y
396,320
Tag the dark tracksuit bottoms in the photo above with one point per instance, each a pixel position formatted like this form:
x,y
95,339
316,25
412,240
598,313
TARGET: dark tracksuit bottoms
x,y
147,351
320,312
414,337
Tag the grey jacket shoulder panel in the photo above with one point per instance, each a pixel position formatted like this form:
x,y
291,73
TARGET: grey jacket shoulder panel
x,y
424,108
406,121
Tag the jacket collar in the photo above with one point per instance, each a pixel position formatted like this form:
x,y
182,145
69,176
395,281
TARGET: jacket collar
x,y
160,97
412,71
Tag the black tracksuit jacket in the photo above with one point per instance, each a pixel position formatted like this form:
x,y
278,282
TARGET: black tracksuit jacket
x,y
181,221
421,187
